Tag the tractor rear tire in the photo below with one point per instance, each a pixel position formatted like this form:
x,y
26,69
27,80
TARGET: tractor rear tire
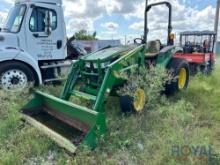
x,y
126,104
180,71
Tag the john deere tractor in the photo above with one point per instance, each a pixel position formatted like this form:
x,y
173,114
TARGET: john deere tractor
x,y
93,78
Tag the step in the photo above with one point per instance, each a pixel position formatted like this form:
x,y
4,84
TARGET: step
x,y
84,95
54,79
66,64
90,74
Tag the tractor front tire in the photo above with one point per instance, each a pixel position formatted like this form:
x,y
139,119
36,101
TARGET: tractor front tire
x,y
179,68
126,104
133,104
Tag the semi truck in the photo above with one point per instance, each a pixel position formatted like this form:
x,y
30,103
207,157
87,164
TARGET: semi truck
x,y
33,44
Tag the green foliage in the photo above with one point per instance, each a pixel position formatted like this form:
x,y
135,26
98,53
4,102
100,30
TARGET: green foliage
x,y
84,35
188,118
151,80
18,141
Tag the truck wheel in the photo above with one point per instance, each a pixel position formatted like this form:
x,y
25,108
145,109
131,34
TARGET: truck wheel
x,y
180,72
15,76
136,104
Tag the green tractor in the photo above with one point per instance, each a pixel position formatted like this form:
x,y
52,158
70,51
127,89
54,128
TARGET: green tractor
x,y
94,77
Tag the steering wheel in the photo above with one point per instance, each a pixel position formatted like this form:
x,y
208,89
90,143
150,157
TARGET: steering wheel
x,y
139,39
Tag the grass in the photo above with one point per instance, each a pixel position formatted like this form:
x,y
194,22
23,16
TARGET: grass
x,y
190,118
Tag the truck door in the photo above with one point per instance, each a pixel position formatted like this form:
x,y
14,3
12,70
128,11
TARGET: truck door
x,y
40,45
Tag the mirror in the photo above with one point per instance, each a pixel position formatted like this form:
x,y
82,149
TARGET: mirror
x,y
48,22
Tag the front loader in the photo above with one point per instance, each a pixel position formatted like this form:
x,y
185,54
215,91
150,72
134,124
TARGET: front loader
x,y
92,79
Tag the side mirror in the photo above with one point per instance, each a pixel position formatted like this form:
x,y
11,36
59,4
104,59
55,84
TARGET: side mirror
x,y
48,22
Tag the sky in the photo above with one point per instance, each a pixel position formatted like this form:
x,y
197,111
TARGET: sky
x,y
120,19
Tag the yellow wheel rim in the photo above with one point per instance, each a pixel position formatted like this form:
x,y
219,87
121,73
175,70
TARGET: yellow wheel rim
x,y
182,78
139,100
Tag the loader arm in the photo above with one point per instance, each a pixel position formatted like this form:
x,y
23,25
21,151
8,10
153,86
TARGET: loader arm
x,y
131,60
107,80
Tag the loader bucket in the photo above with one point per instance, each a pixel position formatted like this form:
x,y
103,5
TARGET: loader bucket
x,y
66,123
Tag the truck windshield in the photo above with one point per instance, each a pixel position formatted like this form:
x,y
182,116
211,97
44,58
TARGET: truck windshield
x,y
14,20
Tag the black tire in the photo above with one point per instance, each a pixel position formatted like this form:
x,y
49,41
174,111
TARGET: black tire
x,y
175,66
208,69
7,66
126,104
211,67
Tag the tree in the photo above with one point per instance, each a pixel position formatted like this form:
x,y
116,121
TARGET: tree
x,y
84,35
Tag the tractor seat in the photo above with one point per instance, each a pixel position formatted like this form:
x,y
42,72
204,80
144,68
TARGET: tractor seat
x,y
153,49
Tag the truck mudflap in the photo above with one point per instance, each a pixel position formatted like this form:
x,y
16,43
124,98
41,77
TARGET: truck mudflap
x,y
68,124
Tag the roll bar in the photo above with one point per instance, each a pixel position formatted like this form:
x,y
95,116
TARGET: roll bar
x,y
146,30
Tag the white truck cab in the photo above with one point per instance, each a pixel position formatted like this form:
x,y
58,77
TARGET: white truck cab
x,y
32,44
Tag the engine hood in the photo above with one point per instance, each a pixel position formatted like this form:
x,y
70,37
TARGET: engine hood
x,y
8,41
109,54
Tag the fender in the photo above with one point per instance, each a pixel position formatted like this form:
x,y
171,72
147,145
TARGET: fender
x,y
18,55
166,54
174,49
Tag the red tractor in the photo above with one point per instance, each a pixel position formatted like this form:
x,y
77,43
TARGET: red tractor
x,y
198,50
